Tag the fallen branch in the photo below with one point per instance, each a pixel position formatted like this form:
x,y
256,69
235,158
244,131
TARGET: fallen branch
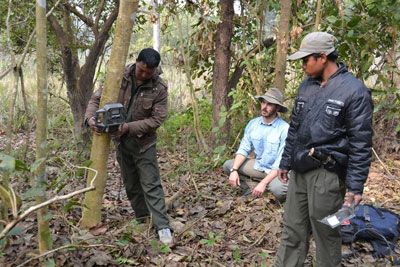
x,y
64,247
170,200
383,165
16,220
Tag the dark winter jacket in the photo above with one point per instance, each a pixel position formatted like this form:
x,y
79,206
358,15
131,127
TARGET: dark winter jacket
x,y
335,119
150,106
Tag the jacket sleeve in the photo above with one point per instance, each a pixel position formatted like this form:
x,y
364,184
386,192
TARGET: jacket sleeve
x,y
282,138
358,121
159,112
93,104
287,152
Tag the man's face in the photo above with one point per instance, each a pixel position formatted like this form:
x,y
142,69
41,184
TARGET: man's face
x,y
142,72
314,67
269,110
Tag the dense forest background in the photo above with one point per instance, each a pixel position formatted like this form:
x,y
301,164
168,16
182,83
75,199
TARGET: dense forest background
x,y
216,56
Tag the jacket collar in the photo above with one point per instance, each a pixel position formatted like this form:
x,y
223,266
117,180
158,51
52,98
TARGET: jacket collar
x,y
341,69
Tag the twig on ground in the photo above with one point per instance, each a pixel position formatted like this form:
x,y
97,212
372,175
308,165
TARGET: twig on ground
x,y
16,220
255,243
209,197
64,247
170,200
383,165
191,225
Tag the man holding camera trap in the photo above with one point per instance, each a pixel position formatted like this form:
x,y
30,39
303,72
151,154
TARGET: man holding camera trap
x,y
144,96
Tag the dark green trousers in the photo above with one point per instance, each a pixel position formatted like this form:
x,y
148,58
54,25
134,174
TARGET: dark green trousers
x,y
311,196
142,181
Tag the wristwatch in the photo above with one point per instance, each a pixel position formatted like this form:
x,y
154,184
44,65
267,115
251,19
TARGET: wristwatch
x,y
233,170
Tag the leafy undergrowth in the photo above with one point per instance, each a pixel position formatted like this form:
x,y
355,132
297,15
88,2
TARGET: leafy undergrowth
x,y
212,225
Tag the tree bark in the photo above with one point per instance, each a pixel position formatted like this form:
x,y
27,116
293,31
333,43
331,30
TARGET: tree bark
x,y
196,120
101,144
221,69
79,80
44,236
156,28
317,15
282,45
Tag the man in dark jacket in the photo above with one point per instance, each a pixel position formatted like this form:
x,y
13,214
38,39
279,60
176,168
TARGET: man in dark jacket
x,y
144,95
332,117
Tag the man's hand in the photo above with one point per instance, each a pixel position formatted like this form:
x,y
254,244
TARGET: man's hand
x,y
283,176
123,129
351,197
92,125
234,179
259,189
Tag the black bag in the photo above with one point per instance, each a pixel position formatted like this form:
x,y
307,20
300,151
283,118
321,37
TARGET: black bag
x,y
379,226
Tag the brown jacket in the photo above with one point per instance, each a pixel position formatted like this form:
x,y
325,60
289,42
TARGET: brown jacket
x,y
150,106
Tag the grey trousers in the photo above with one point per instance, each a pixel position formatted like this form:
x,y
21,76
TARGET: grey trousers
x,y
312,196
142,181
247,173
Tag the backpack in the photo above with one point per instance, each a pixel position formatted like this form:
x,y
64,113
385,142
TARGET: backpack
x,y
379,226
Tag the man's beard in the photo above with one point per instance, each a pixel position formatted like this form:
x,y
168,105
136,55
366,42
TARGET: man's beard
x,y
266,114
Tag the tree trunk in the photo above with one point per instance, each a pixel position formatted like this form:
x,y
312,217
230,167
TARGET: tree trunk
x,y
196,120
44,236
101,144
79,80
282,45
317,15
156,28
221,72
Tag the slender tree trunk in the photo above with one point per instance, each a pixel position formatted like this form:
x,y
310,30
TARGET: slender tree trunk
x,y
28,124
44,236
156,28
101,144
282,45
14,89
196,121
221,69
317,15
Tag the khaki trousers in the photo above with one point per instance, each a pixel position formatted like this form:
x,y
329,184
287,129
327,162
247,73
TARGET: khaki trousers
x,y
247,173
311,196
142,181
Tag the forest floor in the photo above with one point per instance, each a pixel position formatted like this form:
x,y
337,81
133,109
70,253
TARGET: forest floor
x,y
212,225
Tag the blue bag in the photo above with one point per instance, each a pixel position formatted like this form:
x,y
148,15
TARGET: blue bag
x,y
379,226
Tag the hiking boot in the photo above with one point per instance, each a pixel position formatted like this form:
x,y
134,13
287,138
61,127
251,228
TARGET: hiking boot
x,y
165,236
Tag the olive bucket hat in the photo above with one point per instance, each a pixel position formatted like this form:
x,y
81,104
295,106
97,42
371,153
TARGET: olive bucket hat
x,y
274,96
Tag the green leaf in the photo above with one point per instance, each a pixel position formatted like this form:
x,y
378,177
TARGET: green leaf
x,y
15,231
221,121
204,241
20,166
350,33
47,217
398,128
237,105
165,249
122,242
35,191
36,164
154,244
331,19
50,263
7,163
71,203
